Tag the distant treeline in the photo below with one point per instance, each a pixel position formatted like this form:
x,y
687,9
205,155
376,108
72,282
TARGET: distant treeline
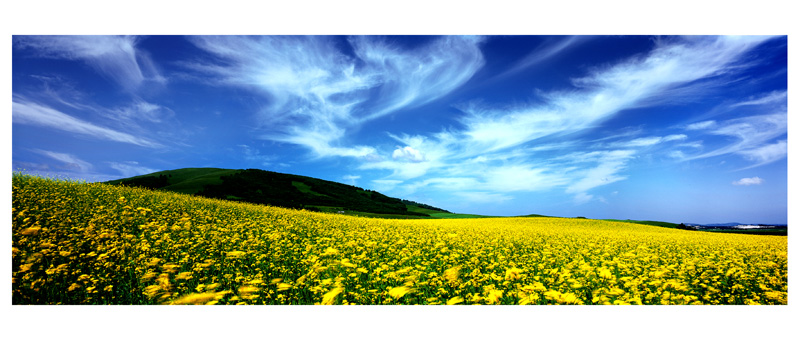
x,y
150,182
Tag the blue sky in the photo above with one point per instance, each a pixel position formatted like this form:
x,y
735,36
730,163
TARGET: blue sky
x,y
672,128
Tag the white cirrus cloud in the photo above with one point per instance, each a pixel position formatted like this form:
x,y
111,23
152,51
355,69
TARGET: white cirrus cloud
x,y
401,169
634,83
582,197
749,181
316,93
71,162
143,111
25,112
648,141
767,153
607,170
677,154
549,49
351,179
115,57
645,141
753,138
502,139
412,77
702,125
674,137
770,98
385,185
693,144
408,154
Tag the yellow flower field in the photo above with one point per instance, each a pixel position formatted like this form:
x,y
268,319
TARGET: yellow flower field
x,y
90,243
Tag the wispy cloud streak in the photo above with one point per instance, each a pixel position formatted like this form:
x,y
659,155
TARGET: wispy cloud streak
x,y
753,135
547,51
407,78
778,97
758,137
317,93
496,151
114,57
34,114
634,83
71,161
491,137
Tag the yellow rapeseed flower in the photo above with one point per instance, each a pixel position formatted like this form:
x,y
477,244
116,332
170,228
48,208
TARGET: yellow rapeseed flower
x,y
452,274
30,231
173,243
513,274
195,299
399,291
494,296
235,254
455,300
330,296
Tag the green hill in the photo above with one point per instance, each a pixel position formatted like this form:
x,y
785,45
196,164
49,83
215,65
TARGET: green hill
x,y
187,181
277,189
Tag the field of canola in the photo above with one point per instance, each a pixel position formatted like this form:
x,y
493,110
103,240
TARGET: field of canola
x,y
79,243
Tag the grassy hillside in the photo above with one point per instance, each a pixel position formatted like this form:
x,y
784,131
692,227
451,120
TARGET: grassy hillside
x,y
187,180
277,189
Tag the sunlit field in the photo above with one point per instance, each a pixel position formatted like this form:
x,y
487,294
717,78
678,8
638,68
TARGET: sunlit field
x,y
80,243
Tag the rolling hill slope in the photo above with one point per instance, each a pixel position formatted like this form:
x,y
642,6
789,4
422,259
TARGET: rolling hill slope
x,y
277,189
